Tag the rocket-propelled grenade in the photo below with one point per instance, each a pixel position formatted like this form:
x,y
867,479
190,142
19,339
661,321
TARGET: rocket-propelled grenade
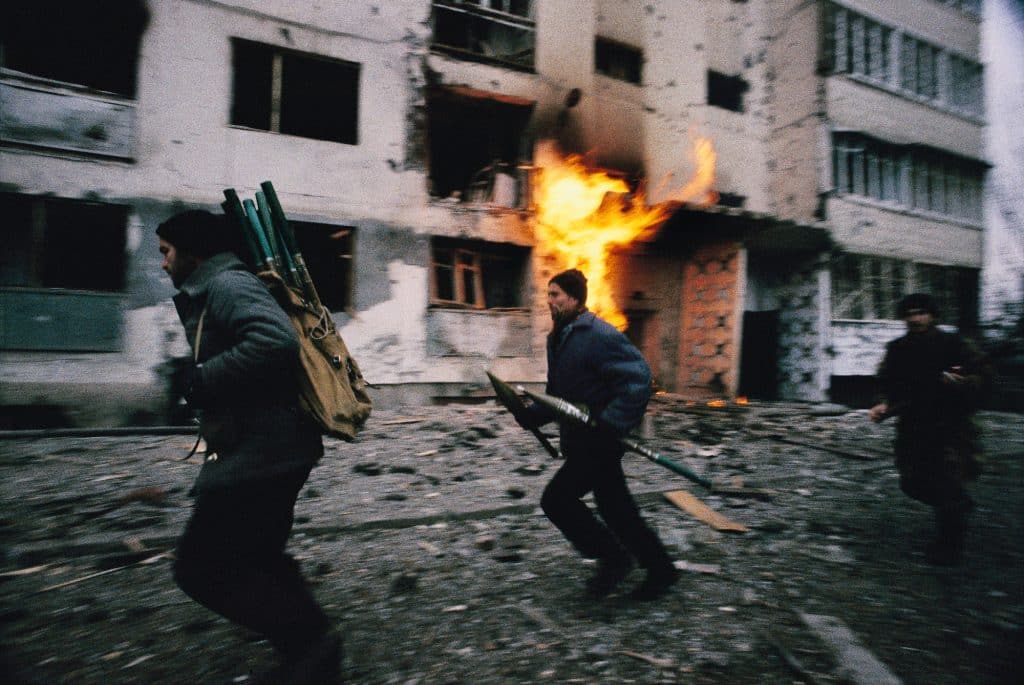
x,y
581,415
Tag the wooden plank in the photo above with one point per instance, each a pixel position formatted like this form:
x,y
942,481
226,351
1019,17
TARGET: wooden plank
x,y
693,506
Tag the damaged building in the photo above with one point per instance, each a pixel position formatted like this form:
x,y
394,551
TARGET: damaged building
x,y
403,137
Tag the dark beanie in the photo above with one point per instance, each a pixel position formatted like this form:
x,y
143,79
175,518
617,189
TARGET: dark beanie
x,y
922,301
573,282
197,232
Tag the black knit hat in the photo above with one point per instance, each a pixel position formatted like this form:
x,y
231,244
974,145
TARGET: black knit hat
x,y
922,301
197,232
573,282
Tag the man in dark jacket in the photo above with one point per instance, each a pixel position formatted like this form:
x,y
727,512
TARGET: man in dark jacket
x,y
931,380
590,362
260,450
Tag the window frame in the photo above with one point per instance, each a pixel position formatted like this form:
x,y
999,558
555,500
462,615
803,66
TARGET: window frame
x,y
911,177
277,100
869,287
464,264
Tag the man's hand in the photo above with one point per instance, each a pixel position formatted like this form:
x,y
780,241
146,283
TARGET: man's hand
x,y
879,412
953,376
192,384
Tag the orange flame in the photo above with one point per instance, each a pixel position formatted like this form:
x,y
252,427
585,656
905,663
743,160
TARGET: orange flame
x,y
583,214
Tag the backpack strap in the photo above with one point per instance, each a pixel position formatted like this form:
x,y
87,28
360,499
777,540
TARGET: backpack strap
x,y
195,358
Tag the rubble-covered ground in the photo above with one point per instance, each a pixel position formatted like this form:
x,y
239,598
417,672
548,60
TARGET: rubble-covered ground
x,y
424,541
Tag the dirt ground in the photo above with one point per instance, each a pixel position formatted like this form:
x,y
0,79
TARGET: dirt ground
x,y
425,543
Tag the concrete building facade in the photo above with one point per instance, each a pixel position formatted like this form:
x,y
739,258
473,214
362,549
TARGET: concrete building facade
x,y
401,139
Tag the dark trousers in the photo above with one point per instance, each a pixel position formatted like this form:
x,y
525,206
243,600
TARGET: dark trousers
x,y
231,560
598,468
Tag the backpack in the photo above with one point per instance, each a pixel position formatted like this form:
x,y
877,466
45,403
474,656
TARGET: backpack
x,y
332,389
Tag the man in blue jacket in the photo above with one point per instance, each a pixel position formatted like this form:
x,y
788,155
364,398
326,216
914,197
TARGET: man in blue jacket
x,y
590,362
261,448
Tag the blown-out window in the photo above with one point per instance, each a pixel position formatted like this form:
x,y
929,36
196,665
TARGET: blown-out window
x,y
327,250
726,91
62,274
477,140
294,93
618,60
91,44
58,243
498,31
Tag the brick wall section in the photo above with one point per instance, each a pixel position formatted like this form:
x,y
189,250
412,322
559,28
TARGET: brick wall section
x,y
711,322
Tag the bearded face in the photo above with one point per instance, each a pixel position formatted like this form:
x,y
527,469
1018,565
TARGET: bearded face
x,y
563,307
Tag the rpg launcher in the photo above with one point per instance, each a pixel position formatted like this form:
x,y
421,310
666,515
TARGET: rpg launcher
x,y
581,415
510,400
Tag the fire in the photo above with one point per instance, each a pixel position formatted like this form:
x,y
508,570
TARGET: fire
x,y
582,214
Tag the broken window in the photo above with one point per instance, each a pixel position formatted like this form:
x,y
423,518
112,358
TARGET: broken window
x,y
57,243
476,141
911,176
866,287
91,44
327,250
726,91
477,274
62,272
500,31
618,60
294,93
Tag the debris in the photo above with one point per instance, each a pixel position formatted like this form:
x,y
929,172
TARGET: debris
x,y
147,560
455,608
429,548
825,448
426,453
399,422
653,660
136,662
485,542
693,506
683,565
404,582
791,661
24,571
855,663
763,494
369,468
538,616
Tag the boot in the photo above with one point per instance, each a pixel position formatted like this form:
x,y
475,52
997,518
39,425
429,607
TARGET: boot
x,y
319,664
656,584
610,572
948,547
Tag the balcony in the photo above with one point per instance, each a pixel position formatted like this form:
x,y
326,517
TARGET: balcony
x,y
499,31
46,114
